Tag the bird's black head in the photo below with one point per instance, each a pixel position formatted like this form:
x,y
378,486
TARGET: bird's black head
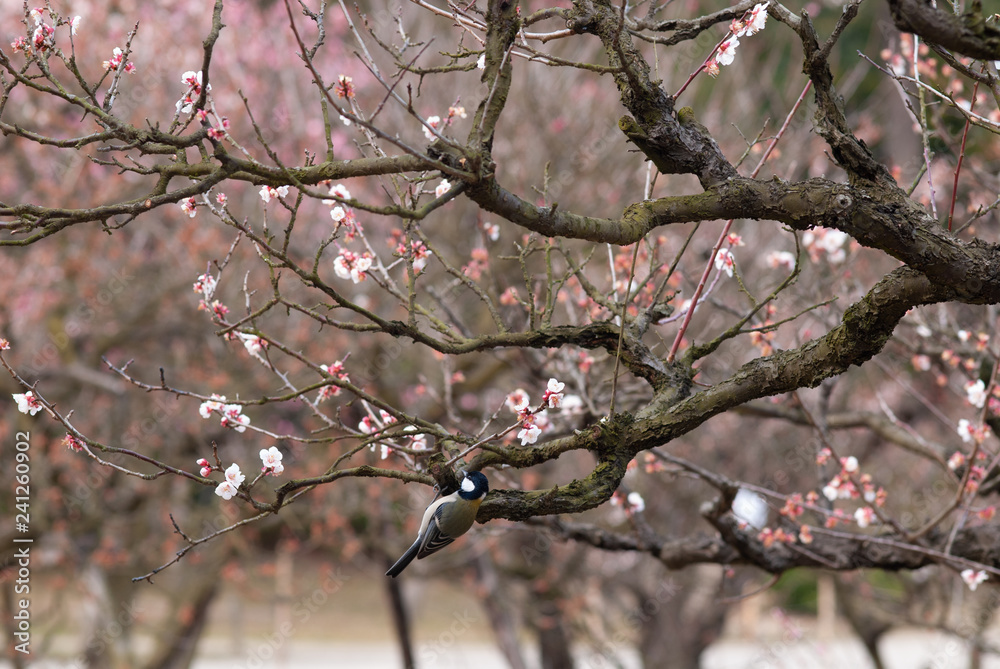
x,y
474,486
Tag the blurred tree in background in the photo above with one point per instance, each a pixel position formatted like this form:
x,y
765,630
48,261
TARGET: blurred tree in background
x,y
707,292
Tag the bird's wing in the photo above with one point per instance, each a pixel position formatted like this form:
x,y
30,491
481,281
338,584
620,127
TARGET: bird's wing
x,y
434,538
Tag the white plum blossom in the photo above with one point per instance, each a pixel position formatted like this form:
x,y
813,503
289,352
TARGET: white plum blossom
x,y
830,491
339,190
27,403
234,479
973,578
191,78
529,434
188,206
267,193
205,285
113,63
338,214
864,516
74,24
518,401
833,243
636,502
776,259
271,458
234,475
210,406
193,81
233,416
572,404
755,22
481,63
433,122
226,490
850,464
826,240
253,344
727,51
725,261
965,431
442,188
553,396
420,257
976,393
352,266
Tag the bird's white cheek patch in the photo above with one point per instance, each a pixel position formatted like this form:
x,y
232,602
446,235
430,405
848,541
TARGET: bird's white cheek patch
x,y
468,485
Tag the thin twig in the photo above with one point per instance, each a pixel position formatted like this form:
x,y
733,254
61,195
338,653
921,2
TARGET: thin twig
x,y
725,231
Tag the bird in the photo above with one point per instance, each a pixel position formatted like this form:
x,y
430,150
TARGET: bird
x,y
446,519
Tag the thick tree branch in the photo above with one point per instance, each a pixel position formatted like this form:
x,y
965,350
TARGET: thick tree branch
x,y
968,34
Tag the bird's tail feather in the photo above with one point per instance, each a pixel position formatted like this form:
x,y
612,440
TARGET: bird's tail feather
x,y
403,561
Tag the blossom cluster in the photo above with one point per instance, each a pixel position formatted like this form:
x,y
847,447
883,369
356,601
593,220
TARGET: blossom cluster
x,y
72,443
232,414
841,486
534,421
820,241
418,251
43,36
478,264
234,477
206,285
268,193
350,265
254,344
337,370
437,124
193,81
370,425
971,433
115,62
632,503
231,485
751,23
977,471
